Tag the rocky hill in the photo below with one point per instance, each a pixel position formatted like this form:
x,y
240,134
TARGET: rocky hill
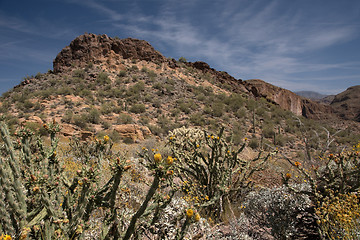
x,y
124,87
347,103
101,49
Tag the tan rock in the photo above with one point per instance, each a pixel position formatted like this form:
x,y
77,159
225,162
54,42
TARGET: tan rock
x,y
68,130
133,131
85,135
35,119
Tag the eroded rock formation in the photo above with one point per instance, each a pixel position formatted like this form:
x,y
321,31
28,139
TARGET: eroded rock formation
x,y
92,48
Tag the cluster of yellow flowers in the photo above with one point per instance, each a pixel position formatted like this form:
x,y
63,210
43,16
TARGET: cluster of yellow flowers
x,y
5,237
193,194
190,214
339,215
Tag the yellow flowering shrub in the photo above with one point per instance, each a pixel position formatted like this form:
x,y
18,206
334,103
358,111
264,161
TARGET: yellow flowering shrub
x,y
339,216
335,186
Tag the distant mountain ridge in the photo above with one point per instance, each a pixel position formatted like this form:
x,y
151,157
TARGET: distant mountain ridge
x,y
311,95
317,97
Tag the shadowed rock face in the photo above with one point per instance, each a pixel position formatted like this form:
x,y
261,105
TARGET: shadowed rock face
x,y
288,100
91,48
347,103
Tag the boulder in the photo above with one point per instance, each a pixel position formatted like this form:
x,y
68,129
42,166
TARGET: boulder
x,y
85,135
132,131
68,130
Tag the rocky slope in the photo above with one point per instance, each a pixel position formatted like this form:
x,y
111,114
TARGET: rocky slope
x,y
101,85
347,103
101,49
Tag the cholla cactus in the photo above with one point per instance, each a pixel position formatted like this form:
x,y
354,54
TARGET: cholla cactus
x,y
213,167
39,201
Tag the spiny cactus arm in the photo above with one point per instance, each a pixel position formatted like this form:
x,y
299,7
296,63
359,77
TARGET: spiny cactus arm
x,y
5,218
197,168
99,194
160,207
10,149
131,228
26,150
80,209
234,159
20,196
10,197
182,232
49,229
37,218
188,172
45,198
115,187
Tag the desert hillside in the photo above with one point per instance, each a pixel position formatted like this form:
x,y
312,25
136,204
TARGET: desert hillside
x,y
121,142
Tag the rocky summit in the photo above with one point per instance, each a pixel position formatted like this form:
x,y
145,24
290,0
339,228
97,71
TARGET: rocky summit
x,y
91,48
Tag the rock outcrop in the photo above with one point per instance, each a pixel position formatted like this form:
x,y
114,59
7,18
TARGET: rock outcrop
x,y
92,48
288,100
132,131
347,104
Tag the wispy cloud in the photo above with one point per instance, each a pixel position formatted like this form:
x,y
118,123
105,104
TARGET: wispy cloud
x,y
100,8
40,27
251,39
248,39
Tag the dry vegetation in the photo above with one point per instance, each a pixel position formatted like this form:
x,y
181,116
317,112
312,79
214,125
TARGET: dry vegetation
x,y
218,163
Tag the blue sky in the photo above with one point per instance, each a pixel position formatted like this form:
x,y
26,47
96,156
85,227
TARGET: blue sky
x,y
296,44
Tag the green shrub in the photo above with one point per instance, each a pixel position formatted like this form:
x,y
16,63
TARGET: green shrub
x,y
122,73
254,143
67,117
80,120
185,107
137,108
79,73
106,125
124,119
134,68
136,88
93,116
103,79
152,74
107,108
217,109
268,131
197,119
182,60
